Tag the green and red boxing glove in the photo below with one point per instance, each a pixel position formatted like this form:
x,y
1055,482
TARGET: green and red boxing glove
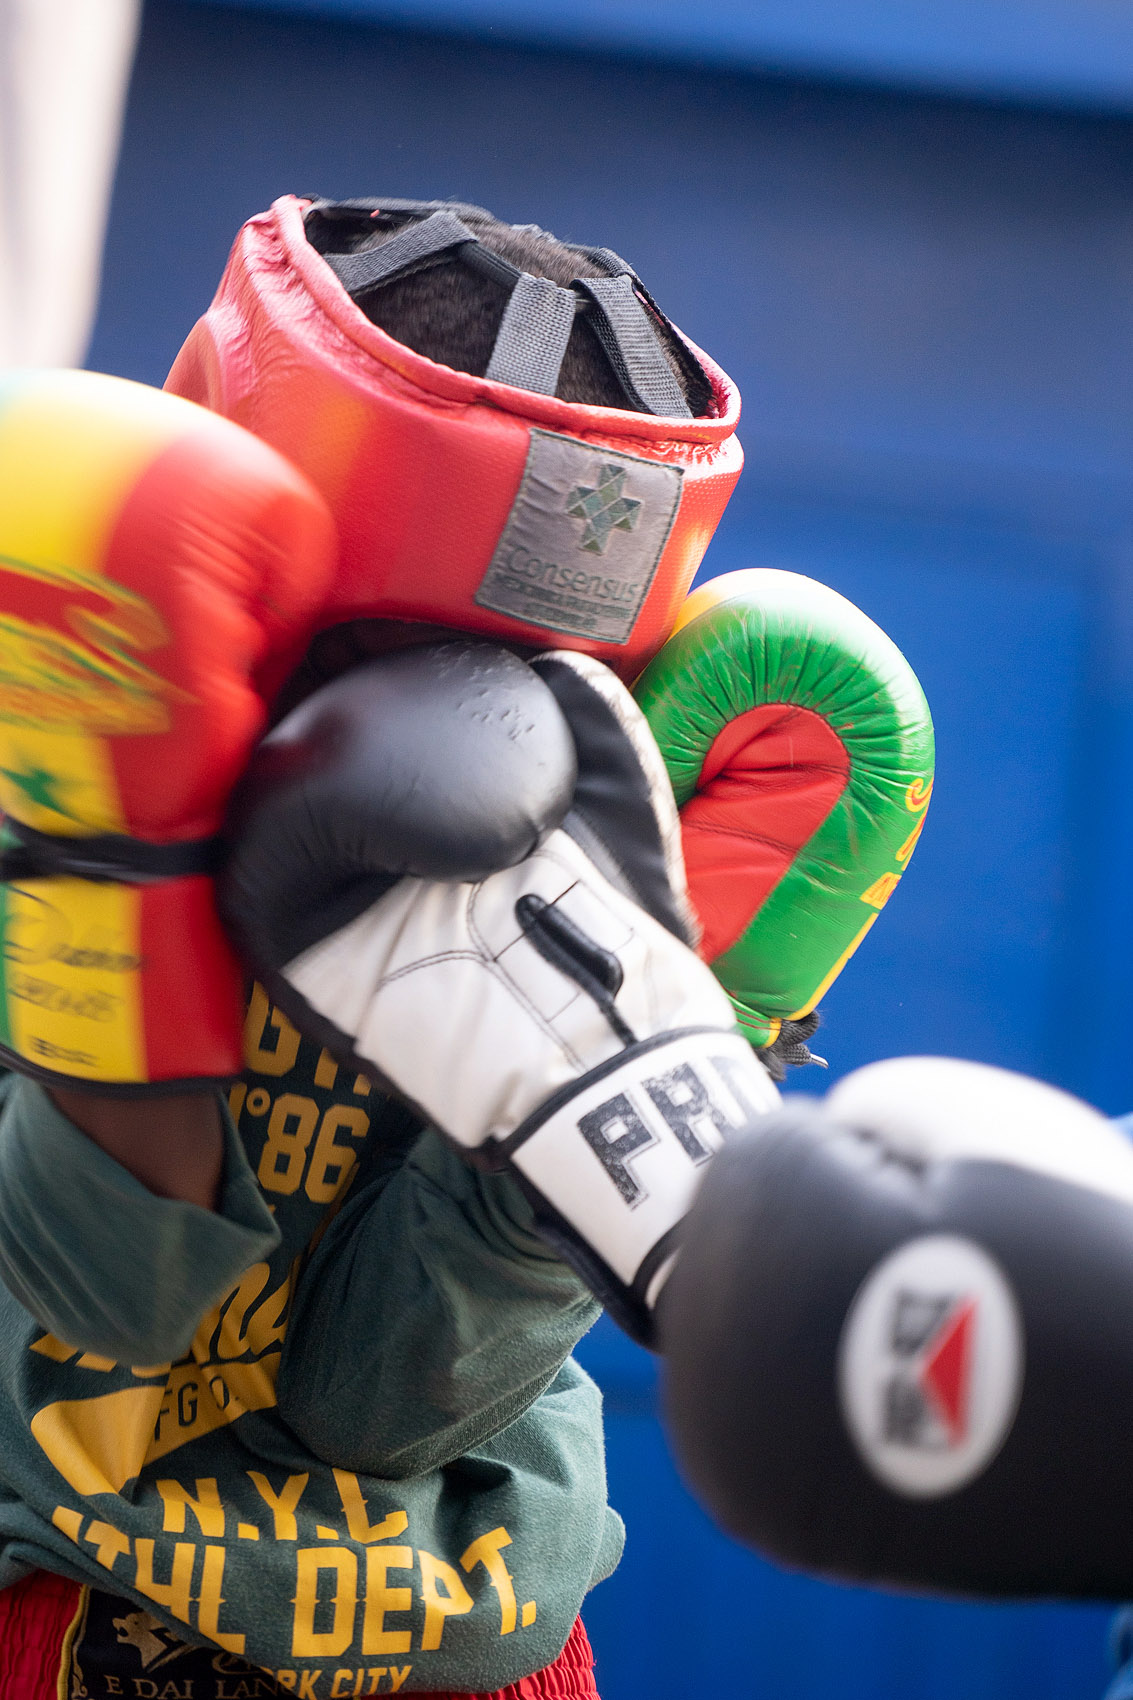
x,y
800,749
153,557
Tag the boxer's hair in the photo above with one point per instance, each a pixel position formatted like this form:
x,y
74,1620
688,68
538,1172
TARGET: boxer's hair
x,y
451,314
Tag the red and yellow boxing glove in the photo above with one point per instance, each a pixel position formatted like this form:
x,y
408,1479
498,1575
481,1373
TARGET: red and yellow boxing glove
x,y
800,749
151,554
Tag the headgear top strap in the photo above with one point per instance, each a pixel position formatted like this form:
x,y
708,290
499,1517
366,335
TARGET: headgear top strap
x,y
413,247
626,332
533,335
535,329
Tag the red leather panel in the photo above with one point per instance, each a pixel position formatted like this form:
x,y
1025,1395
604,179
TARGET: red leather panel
x,y
768,782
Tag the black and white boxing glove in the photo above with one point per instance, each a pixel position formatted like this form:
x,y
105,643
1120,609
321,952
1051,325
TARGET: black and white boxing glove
x,y
550,1016
900,1336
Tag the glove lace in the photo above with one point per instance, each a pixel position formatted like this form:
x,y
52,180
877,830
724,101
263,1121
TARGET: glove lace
x,y
790,1049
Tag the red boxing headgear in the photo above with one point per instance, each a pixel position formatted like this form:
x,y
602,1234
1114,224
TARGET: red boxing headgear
x,y
464,501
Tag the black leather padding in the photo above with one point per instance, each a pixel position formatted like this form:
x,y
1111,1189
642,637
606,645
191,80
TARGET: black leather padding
x,y
449,762
613,816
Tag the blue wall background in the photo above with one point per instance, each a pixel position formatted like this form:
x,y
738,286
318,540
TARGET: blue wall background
x,y
929,308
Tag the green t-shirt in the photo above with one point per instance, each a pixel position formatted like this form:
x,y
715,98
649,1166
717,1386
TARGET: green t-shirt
x,y
371,1450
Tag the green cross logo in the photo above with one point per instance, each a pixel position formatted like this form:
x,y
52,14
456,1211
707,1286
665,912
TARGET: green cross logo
x,y
603,508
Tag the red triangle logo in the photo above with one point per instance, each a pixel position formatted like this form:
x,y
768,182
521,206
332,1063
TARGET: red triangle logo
x,y
946,1370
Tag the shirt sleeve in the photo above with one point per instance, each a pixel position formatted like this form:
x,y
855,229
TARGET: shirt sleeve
x,y
99,1260
429,1317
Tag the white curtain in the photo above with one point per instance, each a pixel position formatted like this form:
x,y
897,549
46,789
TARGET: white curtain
x,y
64,67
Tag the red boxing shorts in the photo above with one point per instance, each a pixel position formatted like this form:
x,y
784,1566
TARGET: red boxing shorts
x,y
62,1642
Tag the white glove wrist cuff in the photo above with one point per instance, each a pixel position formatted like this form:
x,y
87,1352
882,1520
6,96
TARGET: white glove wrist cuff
x,y
618,1154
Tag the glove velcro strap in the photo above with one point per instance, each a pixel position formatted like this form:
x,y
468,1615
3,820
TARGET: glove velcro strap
x,y
613,1161
109,856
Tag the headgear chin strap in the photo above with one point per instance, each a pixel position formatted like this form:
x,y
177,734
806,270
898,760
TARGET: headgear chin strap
x,y
485,504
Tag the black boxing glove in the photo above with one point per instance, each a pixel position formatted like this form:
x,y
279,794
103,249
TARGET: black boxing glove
x,y
900,1336
448,761
549,1017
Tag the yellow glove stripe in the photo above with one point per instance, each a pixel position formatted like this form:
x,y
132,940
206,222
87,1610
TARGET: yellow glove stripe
x,y
77,1017
725,588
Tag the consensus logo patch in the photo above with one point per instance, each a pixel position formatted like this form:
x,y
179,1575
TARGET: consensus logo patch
x,y
931,1365
577,503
